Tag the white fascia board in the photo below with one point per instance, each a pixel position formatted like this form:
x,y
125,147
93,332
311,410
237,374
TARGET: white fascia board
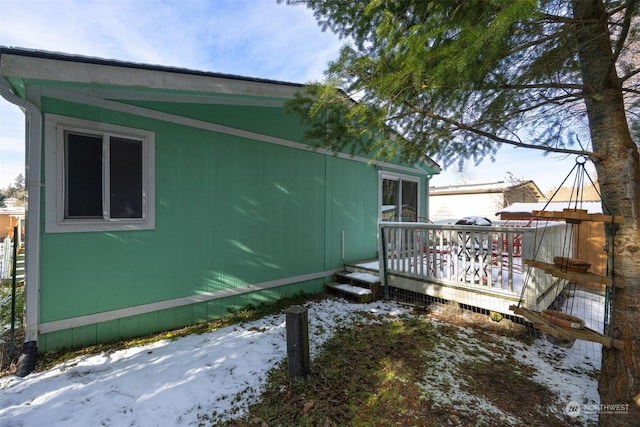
x,y
69,71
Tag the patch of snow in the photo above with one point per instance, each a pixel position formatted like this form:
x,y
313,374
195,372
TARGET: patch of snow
x,y
170,382
571,374
444,385
371,265
365,277
173,382
355,290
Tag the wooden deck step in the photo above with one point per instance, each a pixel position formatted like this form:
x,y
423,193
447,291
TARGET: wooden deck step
x,y
360,279
355,286
349,292
368,266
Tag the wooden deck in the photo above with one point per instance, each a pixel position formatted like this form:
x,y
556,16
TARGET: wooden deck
x,y
476,266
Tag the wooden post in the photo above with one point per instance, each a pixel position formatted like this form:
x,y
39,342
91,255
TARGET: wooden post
x,y
298,341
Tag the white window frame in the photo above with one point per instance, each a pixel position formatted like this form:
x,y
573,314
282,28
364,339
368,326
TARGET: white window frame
x,y
55,221
397,177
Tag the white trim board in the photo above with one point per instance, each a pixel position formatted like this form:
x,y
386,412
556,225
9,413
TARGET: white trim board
x,y
73,69
105,316
212,99
55,222
200,124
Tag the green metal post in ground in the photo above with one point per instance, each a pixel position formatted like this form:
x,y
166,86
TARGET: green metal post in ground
x,y
297,319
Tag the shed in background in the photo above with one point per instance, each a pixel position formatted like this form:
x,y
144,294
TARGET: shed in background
x,y
457,201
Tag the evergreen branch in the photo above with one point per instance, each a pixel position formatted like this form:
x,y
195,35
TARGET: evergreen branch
x,y
549,85
539,41
461,126
630,75
559,19
616,10
624,31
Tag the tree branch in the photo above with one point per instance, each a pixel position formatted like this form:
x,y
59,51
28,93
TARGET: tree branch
x,y
539,41
624,31
496,138
616,10
549,85
629,75
557,18
556,101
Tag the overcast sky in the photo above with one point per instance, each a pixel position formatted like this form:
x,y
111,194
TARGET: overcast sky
x,y
254,38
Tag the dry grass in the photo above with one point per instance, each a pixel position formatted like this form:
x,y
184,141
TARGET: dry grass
x,y
397,373
442,365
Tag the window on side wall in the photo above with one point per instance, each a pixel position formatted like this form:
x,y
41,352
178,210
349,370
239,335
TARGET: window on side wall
x,y
103,176
399,198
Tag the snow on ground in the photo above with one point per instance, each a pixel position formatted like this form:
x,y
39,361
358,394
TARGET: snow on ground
x,y
168,382
171,382
569,374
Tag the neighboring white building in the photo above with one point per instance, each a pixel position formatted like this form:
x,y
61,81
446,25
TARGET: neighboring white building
x,y
453,202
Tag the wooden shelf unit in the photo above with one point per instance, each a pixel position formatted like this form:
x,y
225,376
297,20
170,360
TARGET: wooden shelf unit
x,y
586,279
586,334
575,215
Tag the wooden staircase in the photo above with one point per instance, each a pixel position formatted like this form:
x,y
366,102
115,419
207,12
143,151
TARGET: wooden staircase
x,y
355,286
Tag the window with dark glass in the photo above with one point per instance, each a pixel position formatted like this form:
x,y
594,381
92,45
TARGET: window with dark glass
x,y
125,172
103,176
399,200
83,167
409,209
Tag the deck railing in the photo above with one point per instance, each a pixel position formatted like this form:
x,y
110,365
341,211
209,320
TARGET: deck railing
x,y
483,259
6,259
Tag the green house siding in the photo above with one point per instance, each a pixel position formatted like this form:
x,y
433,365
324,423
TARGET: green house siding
x,y
230,212
243,211
352,211
264,120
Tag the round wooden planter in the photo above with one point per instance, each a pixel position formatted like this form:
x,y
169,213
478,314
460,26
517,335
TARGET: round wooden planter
x,y
563,320
561,342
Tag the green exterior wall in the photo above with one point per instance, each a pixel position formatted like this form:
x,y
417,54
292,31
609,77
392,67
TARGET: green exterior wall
x,y
230,212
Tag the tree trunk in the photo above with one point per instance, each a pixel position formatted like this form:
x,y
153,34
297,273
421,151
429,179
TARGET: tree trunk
x,y
617,162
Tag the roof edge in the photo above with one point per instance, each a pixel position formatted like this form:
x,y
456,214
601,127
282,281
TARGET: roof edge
x,y
60,56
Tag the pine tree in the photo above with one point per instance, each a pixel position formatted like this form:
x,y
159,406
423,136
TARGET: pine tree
x,y
16,190
458,79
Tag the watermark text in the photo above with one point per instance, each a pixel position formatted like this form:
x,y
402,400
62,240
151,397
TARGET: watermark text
x,y
574,409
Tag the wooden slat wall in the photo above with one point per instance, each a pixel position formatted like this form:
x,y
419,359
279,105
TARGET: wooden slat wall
x,y
590,246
